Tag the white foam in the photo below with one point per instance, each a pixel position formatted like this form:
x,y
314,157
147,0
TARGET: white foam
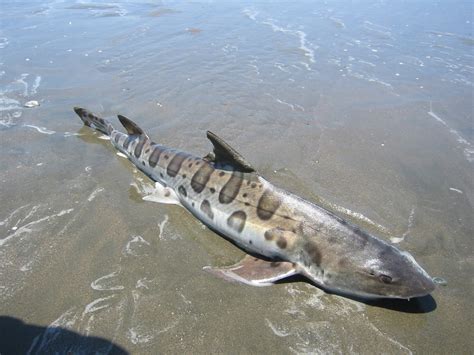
x,y
70,134
94,193
3,42
43,130
393,341
378,30
162,226
293,107
97,304
12,214
304,44
142,283
28,228
138,338
140,335
27,266
99,285
357,215
282,333
35,86
7,104
456,190
281,67
21,80
134,244
411,219
468,148
63,212
338,22
250,13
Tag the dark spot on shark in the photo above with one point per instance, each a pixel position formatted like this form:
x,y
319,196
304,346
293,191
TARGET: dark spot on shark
x,y
182,190
275,263
190,165
244,195
143,162
236,221
147,151
268,235
161,175
127,142
254,185
231,188
139,146
201,177
247,204
175,164
184,176
155,155
212,190
250,241
167,193
166,157
279,235
221,173
362,237
206,209
313,253
117,138
267,205
281,242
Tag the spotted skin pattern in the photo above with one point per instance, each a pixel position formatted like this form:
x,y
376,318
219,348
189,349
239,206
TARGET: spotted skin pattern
x,y
239,204
265,220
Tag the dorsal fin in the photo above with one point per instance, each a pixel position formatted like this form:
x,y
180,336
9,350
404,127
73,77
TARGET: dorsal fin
x,y
224,153
131,127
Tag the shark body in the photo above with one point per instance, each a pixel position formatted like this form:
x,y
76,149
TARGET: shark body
x,y
286,234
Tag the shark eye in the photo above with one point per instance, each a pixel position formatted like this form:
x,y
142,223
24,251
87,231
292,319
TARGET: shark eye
x,y
385,279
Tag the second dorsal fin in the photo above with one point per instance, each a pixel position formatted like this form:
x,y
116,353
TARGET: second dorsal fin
x,y
131,127
224,153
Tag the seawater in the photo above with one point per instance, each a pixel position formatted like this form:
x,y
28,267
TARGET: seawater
x,y
363,108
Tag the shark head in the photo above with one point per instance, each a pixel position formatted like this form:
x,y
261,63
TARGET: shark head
x,y
370,269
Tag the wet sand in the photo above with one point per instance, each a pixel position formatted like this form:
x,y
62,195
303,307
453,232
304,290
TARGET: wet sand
x,y
366,110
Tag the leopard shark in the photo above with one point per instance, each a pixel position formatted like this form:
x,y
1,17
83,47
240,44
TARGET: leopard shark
x,y
283,234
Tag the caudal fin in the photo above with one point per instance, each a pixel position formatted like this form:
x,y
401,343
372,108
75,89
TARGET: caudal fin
x,y
93,121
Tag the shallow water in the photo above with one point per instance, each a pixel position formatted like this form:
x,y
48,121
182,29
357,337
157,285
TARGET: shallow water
x,y
365,109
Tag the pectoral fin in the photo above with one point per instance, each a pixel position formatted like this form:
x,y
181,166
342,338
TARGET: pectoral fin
x,y
255,272
162,194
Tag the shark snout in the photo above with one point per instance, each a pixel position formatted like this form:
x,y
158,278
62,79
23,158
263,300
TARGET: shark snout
x,y
417,281
420,285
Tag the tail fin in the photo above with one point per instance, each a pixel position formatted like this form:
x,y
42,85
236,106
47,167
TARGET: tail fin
x,y
93,121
